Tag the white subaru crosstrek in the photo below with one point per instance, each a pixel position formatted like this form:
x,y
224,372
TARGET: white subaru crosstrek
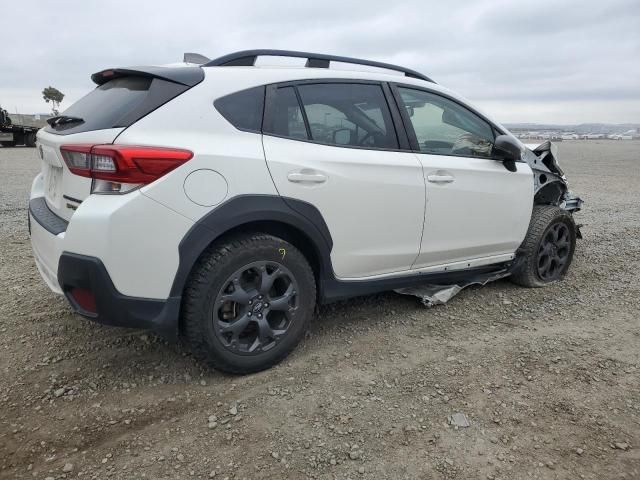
x,y
220,200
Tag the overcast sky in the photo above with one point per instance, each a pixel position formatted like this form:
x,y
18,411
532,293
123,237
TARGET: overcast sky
x,y
521,61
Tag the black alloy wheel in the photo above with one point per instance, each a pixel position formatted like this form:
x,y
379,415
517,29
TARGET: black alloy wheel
x,y
255,307
554,251
248,303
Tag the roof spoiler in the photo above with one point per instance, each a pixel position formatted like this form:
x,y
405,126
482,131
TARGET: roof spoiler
x,y
188,76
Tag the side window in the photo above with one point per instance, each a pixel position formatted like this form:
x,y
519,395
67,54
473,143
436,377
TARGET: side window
x,y
444,127
348,114
243,109
328,124
286,115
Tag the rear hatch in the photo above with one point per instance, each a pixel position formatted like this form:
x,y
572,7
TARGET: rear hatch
x,y
123,96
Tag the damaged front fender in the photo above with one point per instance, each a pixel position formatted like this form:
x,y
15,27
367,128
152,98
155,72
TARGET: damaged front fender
x,y
550,183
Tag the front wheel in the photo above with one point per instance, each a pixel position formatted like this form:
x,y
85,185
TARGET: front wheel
x,y
547,251
248,303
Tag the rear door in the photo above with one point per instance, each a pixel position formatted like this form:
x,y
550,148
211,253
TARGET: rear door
x,y
477,211
334,145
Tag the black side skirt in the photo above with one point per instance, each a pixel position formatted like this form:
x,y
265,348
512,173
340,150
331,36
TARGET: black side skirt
x,y
334,289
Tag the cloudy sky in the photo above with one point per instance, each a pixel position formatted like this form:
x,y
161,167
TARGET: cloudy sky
x,y
521,61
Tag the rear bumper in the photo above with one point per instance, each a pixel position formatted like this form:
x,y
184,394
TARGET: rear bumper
x,y
64,271
112,307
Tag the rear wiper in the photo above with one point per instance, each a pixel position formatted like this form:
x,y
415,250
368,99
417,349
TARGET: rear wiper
x,y
62,119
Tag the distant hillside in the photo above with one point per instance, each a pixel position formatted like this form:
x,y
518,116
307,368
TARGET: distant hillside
x,y
583,128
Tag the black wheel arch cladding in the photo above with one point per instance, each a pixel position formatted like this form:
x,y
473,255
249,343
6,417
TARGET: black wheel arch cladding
x,y
253,209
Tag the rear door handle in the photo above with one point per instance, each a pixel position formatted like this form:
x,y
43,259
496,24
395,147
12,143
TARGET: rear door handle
x,y
440,178
299,177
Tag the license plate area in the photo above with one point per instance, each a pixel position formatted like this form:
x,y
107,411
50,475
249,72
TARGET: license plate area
x,y
53,184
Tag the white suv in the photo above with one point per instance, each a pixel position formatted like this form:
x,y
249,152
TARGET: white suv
x,y
220,201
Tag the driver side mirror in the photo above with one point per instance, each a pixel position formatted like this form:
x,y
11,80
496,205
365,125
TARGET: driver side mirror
x,y
506,149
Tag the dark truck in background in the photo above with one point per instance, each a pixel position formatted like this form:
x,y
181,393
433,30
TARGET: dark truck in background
x,y
12,135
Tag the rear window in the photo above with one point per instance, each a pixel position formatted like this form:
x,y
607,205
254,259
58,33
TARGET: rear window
x,y
118,103
243,109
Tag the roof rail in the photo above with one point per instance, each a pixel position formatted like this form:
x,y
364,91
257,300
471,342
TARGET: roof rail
x,y
247,58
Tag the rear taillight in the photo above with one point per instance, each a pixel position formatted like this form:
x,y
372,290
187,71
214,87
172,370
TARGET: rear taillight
x,y
121,168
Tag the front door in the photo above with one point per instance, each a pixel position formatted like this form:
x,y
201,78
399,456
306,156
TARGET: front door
x,y
477,211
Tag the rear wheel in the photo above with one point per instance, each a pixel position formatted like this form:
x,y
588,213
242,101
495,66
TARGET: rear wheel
x,y
8,144
548,248
248,303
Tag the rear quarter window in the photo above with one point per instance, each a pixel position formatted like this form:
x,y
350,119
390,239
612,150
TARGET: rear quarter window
x,y
243,109
118,103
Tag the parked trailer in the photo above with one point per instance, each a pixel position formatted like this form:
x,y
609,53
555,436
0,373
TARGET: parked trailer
x,y
12,135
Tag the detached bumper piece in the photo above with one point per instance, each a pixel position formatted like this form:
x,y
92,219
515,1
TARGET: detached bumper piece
x,y
571,202
88,287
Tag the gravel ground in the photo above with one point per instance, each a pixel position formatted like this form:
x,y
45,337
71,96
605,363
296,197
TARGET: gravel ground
x,y
548,379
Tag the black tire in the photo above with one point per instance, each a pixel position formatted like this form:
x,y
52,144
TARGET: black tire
x,y
547,250
30,139
8,144
229,315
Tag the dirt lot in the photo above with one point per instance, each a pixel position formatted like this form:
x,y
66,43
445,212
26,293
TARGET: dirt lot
x,y
549,378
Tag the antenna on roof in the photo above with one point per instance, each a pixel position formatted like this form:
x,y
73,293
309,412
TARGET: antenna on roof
x,y
195,58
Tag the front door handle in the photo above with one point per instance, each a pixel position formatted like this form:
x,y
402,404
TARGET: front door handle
x,y
299,177
440,178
